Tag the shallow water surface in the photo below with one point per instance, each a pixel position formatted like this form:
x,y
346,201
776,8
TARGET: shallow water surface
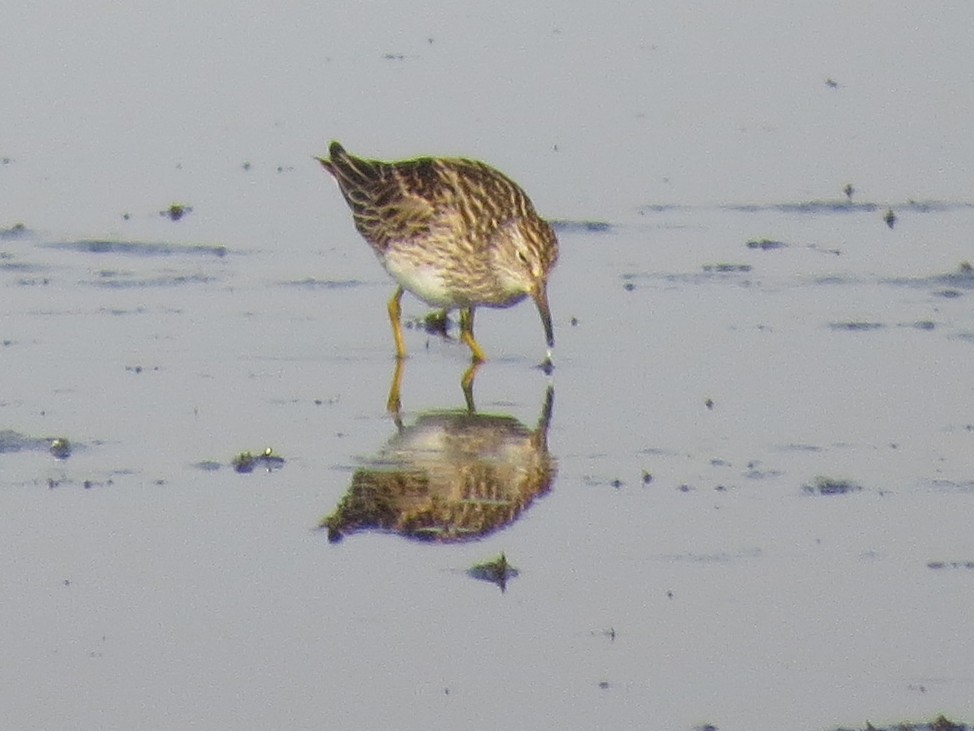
x,y
742,495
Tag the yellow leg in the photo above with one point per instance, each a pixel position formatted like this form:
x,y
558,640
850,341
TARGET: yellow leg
x,y
466,334
395,314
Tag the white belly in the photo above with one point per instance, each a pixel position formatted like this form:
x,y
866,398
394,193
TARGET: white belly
x,y
423,281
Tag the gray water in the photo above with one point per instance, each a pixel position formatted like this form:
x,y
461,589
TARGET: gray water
x,y
751,502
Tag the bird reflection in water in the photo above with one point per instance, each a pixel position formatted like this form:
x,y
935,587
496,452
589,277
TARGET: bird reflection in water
x,y
451,476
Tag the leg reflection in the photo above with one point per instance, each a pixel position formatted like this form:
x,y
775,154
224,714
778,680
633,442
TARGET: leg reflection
x,y
394,402
466,383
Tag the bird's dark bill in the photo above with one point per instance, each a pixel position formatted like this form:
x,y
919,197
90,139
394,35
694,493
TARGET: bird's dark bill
x,y
541,299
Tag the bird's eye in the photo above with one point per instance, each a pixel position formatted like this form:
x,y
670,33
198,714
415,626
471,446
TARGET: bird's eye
x,y
522,257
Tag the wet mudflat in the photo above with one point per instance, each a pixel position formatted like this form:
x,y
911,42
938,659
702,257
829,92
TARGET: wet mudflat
x,y
741,499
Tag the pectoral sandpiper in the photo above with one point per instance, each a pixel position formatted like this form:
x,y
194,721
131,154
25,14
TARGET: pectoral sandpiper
x,y
456,233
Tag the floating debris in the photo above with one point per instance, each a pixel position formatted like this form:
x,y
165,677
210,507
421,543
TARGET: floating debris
x,y
831,486
436,323
11,441
848,190
890,218
963,276
60,448
176,211
497,571
18,230
245,462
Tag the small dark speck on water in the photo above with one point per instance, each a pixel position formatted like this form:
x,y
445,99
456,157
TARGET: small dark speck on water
x,y
647,477
629,286
574,322
890,218
709,403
